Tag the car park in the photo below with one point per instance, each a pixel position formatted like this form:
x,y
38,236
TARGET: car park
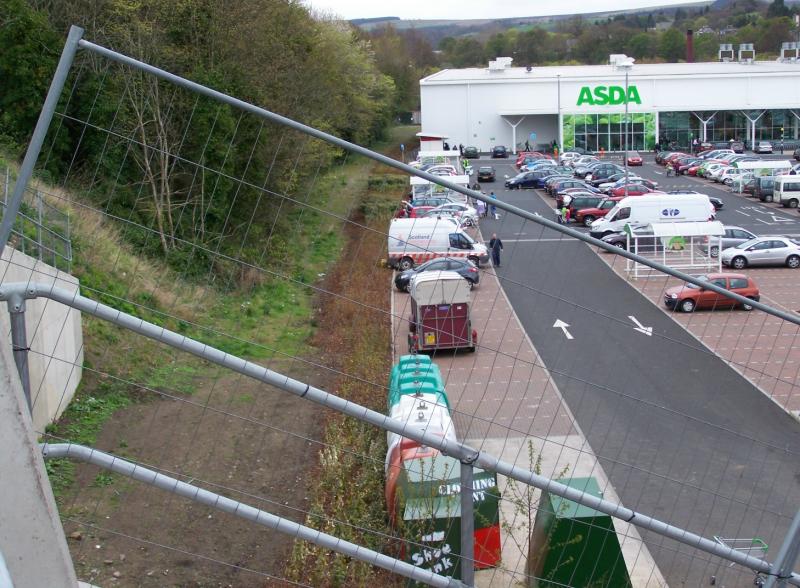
x,y
690,297
769,250
499,152
732,237
486,173
763,147
635,159
463,267
471,152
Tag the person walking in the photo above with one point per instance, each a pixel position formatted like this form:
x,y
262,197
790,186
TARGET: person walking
x,y
493,208
480,207
495,246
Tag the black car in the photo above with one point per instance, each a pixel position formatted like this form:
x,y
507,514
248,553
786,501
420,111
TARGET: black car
x,y
528,179
764,188
796,154
486,174
464,267
471,152
499,151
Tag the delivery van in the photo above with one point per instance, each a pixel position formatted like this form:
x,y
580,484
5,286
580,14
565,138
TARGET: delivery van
x,y
651,209
787,191
416,240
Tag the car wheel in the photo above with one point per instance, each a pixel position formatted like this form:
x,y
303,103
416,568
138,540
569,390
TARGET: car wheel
x,y
687,305
471,284
474,260
406,263
747,306
588,220
468,222
714,251
768,198
727,181
620,245
739,262
793,261
792,203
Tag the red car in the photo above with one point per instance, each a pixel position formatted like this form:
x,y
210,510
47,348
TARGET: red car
x,y
587,216
633,190
673,156
525,157
634,158
690,297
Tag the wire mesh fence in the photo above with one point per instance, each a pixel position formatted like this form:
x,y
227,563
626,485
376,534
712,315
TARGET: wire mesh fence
x,y
210,221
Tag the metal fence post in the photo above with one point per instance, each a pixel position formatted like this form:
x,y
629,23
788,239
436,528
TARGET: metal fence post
x,y
39,133
39,215
19,344
783,565
467,525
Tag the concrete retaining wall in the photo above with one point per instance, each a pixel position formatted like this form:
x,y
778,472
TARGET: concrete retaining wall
x,y
54,336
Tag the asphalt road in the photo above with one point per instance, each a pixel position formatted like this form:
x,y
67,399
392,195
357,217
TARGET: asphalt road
x,y
682,436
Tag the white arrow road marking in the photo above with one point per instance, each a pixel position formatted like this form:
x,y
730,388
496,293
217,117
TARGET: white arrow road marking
x,y
559,324
640,327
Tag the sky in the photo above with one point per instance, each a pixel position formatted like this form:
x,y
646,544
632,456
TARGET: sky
x,y
476,9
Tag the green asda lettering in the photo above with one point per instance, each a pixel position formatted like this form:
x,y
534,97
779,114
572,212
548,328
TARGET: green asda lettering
x,y
611,95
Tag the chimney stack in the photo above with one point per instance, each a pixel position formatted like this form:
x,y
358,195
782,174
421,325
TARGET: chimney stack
x,y
689,46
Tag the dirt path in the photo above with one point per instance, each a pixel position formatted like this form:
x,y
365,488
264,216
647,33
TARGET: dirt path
x,y
247,453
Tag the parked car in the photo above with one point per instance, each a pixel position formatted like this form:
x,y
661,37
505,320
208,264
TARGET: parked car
x,y
737,146
418,206
763,251
634,158
619,180
631,189
464,212
564,185
464,267
579,201
796,154
733,236
528,179
690,297
764,188
645,244
568,156
586,216
763,147
684,164
486,173
499,152
471,152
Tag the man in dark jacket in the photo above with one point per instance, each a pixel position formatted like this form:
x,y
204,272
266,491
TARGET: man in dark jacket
x,y
496,246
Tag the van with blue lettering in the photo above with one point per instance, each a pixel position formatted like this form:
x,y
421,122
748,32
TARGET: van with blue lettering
x,y
651,209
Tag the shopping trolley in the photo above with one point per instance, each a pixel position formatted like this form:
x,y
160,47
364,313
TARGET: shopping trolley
x,y
754,546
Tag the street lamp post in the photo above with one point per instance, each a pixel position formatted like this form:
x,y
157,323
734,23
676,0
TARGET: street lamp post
x,y
627,64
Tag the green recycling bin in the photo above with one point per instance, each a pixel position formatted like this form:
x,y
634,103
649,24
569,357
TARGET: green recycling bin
x,y
573,545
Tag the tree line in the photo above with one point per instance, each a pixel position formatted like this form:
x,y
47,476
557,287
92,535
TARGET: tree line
x,y
200,177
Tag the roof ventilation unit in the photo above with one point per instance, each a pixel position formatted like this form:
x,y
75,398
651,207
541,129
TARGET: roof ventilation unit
x,y
790,51
726,52
746,53
500,64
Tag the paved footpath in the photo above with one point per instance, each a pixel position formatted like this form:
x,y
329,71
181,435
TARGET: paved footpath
x,y
505,402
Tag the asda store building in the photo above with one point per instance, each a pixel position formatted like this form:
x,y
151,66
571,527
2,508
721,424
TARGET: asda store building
x,y
585,105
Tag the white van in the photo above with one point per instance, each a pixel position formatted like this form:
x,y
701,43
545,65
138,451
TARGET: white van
x,y
651,209
787,191
416,240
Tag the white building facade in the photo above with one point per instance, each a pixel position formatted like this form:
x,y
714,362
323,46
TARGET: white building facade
x,y
584,106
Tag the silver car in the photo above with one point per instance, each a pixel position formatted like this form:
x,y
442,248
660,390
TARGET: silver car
x,y
763,251
733,236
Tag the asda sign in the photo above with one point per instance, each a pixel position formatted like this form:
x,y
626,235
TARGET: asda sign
x,y
608,95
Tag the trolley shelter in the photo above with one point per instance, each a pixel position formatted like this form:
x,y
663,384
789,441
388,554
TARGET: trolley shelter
x,y
684,246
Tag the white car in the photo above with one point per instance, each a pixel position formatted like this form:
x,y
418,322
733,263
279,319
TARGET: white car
x,y
714,175
763,147
632,178
464,212
568,156
729,175
583,160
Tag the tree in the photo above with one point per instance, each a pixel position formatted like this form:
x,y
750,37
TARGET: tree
x,y
641,46
777,9
672,45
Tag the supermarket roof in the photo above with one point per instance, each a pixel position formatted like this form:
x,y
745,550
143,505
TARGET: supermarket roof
x,y
638,71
